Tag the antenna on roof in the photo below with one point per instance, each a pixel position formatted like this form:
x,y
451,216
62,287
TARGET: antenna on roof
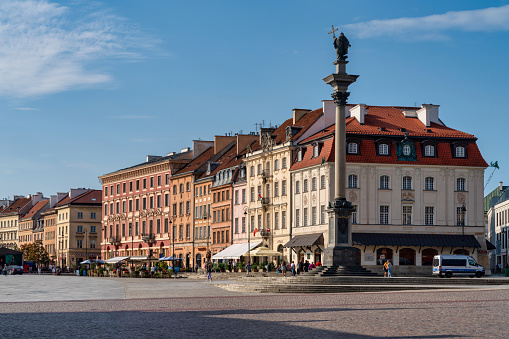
x,y
256,127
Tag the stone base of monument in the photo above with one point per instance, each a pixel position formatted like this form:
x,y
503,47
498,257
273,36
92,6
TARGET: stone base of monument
x,y
341,261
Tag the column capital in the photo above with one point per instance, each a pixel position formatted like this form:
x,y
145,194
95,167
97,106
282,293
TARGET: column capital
x,y
340,98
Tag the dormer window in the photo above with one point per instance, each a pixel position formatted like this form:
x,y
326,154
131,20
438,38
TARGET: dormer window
x,y
429,151
406,150
383,149
299,155
353,148
315,151
460,152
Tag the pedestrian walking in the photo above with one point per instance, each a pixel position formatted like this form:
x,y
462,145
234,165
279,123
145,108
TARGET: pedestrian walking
x,y
389,267
386,268
283,268
292,268
209,272
248,269
306,266
39,269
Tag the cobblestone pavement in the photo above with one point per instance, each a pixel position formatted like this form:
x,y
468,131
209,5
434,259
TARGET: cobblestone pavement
x,y
479,313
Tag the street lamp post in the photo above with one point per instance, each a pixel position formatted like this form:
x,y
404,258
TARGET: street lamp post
x,y
208,255
248,238
132,243
172,245
463,210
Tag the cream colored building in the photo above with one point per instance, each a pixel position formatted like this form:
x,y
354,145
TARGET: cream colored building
x,y
78,226
268,184
415,183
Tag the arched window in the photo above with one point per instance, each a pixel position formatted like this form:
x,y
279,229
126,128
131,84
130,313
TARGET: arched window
x,y
316,150
384,182
382,255
352,181
299,155
305,185
313,184
429,184
406,256
407,183
174,189
461,184
322,182
181,188
406,150
284,163
427,256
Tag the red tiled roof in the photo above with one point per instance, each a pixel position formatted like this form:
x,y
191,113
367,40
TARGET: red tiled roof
x,y
196,162
368,155
88,198
37,207
392,119
16,206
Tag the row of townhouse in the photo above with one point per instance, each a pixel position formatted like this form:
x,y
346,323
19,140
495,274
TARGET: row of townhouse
x,y
416,184
66,224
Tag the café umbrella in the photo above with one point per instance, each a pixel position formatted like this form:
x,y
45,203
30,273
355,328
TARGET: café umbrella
x,y
264,252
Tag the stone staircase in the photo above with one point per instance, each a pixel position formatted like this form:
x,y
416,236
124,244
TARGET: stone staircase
x,y
333,271
344,284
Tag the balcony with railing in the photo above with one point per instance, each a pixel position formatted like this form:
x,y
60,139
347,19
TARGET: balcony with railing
x,y
265,201
149,238
114,241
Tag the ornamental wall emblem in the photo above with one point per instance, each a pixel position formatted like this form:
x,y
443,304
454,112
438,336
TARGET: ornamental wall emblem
x,y
407,196
305,199
143,214
267,142
417,172
313,199
461,198
352,196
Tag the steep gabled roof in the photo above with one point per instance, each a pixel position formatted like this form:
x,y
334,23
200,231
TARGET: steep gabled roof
x,y
16,206
91,197
37,207
195,163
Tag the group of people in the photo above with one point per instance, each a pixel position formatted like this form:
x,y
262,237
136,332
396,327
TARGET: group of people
x,y
301,266
388,268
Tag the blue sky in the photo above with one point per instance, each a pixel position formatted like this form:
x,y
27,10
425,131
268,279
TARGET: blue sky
x,y
89,87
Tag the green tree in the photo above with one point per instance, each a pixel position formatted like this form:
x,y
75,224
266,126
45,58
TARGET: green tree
x,y
34,251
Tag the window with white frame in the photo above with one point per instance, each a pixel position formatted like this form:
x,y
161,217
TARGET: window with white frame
x,y
407,215
354,214
276,189
384,182
313,215
429,215
429,151
460,216
236,230
322,182
313,184
352,148
407,183
259,169
322,214
352,181
383,149
305,217
252,194
315,151
283,188
276,165
460,152
384,215
429,184
299,155
276,220
252,171
284,163
283,219
305,185
297,217
461,184
297,187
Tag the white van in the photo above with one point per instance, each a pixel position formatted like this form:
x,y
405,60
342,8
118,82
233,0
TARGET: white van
x,y
459,265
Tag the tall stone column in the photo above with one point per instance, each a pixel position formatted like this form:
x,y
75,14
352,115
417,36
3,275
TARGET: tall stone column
x,y
339,250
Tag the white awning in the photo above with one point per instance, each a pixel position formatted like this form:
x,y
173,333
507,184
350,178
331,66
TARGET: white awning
x,y
114,260
235,251
143,258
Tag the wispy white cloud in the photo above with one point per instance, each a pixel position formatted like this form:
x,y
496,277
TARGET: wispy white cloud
x,y
132,117
435,27
26,108
48,48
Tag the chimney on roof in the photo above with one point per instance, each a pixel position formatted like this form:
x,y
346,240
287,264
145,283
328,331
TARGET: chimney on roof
x,y
221,142
74,192
500,185
152,158
298,113
358,112
244,140
428,114
200,146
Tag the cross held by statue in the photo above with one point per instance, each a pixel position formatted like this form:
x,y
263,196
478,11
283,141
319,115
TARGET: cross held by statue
x,y
333,30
